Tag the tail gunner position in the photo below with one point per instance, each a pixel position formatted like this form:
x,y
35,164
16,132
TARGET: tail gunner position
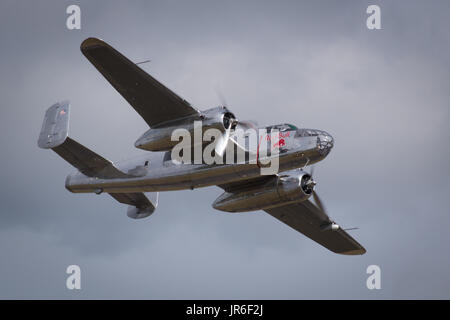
x,y
284,194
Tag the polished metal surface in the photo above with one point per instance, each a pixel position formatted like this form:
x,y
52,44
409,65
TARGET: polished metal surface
x,y
283,193
288,187
160,138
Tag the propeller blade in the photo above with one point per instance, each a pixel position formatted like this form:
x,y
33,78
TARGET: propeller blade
x,y
222,142
319,203
246,124
221,97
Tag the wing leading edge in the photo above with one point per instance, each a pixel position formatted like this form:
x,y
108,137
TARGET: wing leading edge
x,y
306,218
154,102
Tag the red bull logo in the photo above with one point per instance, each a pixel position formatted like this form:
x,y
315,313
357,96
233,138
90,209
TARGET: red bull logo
x,y
280,143
278,135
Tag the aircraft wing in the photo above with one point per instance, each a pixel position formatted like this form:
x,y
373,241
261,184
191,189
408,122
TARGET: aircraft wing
x,y
242,185
308,219
154,102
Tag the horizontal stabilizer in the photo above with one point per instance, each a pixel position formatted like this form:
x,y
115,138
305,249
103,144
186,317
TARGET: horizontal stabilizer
x,y
54,135
140,205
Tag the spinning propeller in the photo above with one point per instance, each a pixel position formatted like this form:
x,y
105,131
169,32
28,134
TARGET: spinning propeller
x,y
229,123
332,225
222,142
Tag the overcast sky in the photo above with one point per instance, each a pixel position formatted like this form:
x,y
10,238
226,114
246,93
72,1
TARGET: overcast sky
x,y
383,95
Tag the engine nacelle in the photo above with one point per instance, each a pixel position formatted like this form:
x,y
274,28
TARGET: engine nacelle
x,y
294,186
159,139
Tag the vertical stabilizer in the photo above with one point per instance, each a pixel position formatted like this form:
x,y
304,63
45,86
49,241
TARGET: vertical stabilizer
x,y
55,128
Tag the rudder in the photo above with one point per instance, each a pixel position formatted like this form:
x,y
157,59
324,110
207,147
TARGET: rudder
x,y
55,128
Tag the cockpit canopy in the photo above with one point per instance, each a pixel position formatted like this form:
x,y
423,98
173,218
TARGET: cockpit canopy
x,y
310,133
304,132
282,127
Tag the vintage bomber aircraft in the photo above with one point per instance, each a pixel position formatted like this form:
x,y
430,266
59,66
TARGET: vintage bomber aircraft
x,y
284,195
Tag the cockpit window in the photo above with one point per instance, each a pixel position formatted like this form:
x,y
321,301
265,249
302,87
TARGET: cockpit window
x,y
308,132
282,127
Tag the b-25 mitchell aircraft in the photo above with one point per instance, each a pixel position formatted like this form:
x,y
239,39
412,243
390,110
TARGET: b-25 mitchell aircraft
x,y
285,194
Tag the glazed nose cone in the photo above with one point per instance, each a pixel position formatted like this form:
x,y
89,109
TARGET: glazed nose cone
x,y
326,142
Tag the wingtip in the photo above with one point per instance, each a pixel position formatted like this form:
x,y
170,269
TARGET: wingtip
x,y
356,252
90,43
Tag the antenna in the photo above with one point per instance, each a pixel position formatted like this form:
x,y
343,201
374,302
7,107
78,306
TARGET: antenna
x,y
143,62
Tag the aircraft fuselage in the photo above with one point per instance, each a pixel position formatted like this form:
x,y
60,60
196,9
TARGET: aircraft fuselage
x,y
154,171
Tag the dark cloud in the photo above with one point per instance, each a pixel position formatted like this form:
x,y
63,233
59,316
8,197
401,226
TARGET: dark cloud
x,y
382,94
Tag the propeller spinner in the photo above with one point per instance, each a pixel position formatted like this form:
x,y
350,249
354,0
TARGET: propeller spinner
x,y
229,122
